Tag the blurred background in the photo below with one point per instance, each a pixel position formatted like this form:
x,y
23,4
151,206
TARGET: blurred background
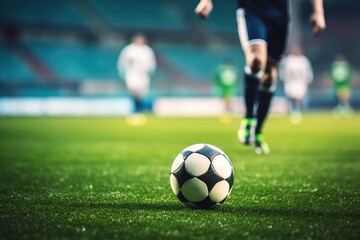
x,y
67,50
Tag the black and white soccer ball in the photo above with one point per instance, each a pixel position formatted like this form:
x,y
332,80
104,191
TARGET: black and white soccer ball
x,y
202,176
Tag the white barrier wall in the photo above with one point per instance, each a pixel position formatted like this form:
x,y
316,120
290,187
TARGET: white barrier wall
x,y
200,106
188,107
65,106
208,106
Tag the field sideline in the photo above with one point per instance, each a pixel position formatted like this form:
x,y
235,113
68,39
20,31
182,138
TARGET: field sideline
x,y
98,178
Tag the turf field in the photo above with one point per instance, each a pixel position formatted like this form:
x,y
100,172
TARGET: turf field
x,y
98,178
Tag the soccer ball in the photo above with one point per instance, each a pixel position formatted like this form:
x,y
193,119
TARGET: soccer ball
x,y
202,176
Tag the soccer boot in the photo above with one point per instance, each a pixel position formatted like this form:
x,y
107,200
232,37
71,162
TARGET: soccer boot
x,y
246,131
296,118
136,120
261,146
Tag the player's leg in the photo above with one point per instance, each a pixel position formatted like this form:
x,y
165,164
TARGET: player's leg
x,y
266,92
225,117
295,115
136,98
226,96
277,30
344,100
255,55
255,64
137,103
299,105
292,105
252,34
132,119
344,97
137,118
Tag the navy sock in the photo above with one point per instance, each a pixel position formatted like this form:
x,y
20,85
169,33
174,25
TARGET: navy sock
x,y
250,94
138,105
265,97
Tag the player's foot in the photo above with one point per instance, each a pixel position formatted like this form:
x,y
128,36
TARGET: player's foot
x,y
296,118
136,120
226,118
261,146
348,111
246,131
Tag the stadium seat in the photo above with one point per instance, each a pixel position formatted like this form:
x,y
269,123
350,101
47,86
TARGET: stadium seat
x,y
77,61
12,68
41,13
198,62
127,14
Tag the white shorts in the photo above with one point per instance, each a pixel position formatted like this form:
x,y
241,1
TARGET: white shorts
x,y
137,84
295,90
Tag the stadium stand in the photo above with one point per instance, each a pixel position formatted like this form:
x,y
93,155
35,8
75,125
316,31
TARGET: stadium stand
x,y
199,62
73,60
42,13
139,15
12,68
220,21
39,56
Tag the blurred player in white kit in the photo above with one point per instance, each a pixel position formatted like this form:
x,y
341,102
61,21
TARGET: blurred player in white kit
x,y
135,64
296,72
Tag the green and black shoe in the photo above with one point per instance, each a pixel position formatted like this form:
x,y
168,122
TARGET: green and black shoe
x,y
261,146
246,131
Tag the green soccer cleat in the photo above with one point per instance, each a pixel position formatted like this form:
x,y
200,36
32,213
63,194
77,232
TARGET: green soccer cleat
x,y
261,146
246,131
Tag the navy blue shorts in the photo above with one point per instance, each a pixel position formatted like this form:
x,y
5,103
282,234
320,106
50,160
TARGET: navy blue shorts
x,y
272,32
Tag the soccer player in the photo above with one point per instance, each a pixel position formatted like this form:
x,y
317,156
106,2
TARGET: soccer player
x,y
263,28
296,72
340,75
136,63
226,80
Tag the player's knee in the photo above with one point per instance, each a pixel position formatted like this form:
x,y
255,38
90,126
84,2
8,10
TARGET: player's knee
x,y
268,82
255,68
256,64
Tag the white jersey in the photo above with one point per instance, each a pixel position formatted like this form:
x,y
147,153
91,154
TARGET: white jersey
x,y
296,72
137,62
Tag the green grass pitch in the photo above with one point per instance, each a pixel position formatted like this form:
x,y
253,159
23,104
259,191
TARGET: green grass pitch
x,y
98,178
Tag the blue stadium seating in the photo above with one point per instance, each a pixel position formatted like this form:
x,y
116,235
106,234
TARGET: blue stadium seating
x,y
41,13
175,32
41,91
77,61
221,20
12,68
198,62
139,14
